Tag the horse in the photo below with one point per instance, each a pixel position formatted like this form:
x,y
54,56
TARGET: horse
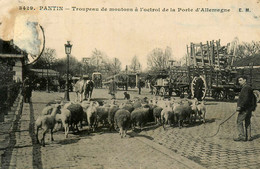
x,y
84,89
79,89
88,89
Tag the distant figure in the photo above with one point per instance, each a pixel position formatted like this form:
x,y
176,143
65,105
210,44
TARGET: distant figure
x,y
27,90
139,85
149,85
152,87
112,88
127,96
170,87
198,88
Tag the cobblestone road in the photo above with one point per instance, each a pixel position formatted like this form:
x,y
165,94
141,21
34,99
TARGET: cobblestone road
x,y
95,150
195,143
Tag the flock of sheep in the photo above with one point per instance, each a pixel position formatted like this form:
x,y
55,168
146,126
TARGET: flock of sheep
x,y
123,116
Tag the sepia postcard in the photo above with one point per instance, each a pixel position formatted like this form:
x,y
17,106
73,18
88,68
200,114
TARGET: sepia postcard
x,y
164,50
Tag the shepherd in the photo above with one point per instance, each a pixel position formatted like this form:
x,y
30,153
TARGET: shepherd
x,y
27,90
246,103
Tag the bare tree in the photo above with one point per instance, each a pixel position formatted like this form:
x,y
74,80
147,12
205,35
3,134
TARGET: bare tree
x,y
116,65
135,64
248,49
98,59
47,58
157,59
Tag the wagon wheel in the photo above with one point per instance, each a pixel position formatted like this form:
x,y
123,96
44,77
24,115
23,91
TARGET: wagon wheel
x,y
218,94
178,93
204,88
231,95
257,94
162,91
221,95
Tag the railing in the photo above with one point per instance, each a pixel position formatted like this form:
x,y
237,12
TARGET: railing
x,y
8,94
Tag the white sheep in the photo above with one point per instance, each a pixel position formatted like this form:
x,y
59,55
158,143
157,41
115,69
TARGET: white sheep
x,y
46,122
167,114
111,114
102,114
92,115
194,108
202,111
47,110
123,121
85,104
77,115
182,111
140,116
65,118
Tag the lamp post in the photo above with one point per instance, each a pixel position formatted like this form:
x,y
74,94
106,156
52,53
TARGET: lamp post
x,y
126,72
48,78
47,84
68,47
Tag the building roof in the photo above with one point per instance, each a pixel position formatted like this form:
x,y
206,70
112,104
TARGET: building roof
x,y
255,60
45,72
9,50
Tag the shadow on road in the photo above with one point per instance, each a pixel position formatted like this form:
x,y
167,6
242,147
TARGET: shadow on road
x,y
134,134
212,120
68,141
256,136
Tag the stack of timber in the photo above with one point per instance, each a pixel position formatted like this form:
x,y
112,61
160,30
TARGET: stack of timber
x,y
210,54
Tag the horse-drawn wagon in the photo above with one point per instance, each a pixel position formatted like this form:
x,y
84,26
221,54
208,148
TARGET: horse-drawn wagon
x,y
97,79
215,65
209,72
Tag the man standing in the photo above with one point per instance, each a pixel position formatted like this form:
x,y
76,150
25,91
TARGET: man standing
x,y
198,87
113,88
245,105
27,90
139,85
170,87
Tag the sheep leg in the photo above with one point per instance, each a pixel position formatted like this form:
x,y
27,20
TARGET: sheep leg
x,y
96,124
180,124
155,119
204,117
141,126
37,139
56,127
125,132
72,127
77,127
201,117
190,119
76,99
133,126
121,132
52,135
43,138
80,97
66,128
81,125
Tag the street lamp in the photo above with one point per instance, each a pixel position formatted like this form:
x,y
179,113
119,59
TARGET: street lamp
x,y
68,47
47,85
126,72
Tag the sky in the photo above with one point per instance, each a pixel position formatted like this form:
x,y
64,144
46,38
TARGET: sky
x,y
124,34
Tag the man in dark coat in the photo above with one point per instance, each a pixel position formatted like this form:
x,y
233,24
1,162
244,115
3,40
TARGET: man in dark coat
x,y
170,87
245,105
198,88
27,90
139,85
